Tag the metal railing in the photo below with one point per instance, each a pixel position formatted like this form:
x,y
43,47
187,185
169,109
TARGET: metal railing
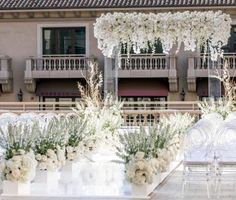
x,y
134,113
144,62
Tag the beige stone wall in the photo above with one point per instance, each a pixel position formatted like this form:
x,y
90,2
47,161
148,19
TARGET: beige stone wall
x,y
18,40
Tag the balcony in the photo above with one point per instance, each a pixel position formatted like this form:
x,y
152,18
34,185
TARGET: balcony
x,y
50,67
5,74
143,65
150,66
201,66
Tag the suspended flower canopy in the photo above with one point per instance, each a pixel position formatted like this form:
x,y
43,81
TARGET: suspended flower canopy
x,y
138,31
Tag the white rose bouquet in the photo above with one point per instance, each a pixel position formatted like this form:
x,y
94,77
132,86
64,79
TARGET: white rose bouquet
x,y
17,140
139,170
159,144
21,167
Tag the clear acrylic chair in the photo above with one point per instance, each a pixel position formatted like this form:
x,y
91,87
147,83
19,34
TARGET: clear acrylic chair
x,y
225,153
198,160
213,116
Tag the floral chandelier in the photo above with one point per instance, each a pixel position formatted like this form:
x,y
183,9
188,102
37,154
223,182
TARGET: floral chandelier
x,y
136,31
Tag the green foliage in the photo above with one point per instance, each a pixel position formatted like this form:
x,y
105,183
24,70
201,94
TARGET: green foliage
x,y
76,130
52,134
151,140
17,136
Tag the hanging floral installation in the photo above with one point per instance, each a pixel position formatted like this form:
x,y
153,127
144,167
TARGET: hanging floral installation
x,y
136,31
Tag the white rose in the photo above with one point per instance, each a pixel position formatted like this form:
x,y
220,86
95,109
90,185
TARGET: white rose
x,y
10,164
50,152
16,159
16,173
38,157
139,155
52,165
69,149
44,158
27,162
42,165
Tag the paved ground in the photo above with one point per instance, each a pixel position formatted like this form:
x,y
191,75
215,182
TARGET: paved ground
x,y
171,189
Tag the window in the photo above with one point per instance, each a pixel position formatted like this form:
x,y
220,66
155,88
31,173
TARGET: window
x,y
64,41
231,46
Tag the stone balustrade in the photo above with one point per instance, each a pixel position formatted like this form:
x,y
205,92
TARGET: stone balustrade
x,y
69,66
150,66
201,66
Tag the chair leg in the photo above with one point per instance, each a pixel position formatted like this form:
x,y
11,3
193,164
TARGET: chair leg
x,y
208,180
208,192
184,182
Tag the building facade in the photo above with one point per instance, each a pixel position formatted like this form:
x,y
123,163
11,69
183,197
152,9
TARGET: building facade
x,y
45,46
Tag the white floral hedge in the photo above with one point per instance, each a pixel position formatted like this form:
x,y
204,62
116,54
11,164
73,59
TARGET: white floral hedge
x,y
141,31
149,151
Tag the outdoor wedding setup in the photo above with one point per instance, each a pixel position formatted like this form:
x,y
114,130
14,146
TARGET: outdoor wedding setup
x,y
88,153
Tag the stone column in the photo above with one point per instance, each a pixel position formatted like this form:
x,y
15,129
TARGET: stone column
x,y
214,84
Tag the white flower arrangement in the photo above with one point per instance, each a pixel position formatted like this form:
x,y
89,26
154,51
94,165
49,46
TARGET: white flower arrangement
x,y
159,144
19,163
52,160
102,115
77,129
50,144
72,153
141,31
221,106
139,170
225,105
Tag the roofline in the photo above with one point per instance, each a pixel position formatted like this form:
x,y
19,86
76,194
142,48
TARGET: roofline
x,y
121,9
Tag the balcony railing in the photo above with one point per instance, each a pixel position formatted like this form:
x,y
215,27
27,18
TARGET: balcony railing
x,y
144,62
205,62
58,63
199,66
146,65
68,66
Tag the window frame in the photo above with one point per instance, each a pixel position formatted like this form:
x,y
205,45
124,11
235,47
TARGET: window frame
x,y
40,28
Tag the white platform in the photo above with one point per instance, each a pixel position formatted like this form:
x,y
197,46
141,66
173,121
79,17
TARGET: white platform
x,y
95,181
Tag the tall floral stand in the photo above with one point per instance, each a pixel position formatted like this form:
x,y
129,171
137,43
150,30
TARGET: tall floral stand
x,y
16,188
48,178
70,171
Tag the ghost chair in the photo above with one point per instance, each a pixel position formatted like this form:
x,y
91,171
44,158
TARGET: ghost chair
x,y
198,162
225,153
213,116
